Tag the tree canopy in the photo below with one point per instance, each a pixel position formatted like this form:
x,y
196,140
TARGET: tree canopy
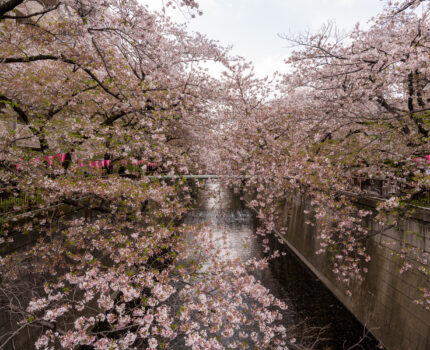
x,y
109,264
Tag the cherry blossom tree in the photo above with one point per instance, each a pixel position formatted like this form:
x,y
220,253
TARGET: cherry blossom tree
x,y
107,264
354,105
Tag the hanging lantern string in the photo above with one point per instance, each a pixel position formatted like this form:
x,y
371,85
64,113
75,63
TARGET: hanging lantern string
x,y
103,163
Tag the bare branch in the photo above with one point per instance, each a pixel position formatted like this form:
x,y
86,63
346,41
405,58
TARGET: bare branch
x,y
9,6
40,13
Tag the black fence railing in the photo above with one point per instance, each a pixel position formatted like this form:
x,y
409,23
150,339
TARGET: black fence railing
x,y
377,187
385,189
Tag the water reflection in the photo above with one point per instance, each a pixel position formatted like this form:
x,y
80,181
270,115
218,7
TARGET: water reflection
x,y
312,307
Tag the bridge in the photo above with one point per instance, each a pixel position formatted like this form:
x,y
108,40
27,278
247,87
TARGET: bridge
x,y
198,177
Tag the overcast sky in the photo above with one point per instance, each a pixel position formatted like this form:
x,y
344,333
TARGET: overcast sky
x,y
252,26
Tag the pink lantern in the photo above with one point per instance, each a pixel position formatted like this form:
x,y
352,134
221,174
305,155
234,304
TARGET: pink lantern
x,y
62,157
107,162
50,159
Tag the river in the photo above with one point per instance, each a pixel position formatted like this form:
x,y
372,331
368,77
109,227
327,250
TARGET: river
x,y
312,308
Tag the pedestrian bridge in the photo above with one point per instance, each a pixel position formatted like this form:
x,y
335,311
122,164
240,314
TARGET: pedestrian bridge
x,y
198,177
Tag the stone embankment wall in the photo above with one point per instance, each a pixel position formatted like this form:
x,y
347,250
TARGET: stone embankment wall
x,y
383,303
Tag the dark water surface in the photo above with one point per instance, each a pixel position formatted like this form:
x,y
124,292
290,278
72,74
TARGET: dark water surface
x,y
313,310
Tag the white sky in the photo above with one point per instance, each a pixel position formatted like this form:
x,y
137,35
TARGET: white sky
x,y
252,26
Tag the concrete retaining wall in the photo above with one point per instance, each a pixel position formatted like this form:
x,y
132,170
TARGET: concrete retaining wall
x,y
384,302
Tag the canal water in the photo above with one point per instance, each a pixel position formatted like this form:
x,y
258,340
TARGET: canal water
x,y
320,321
